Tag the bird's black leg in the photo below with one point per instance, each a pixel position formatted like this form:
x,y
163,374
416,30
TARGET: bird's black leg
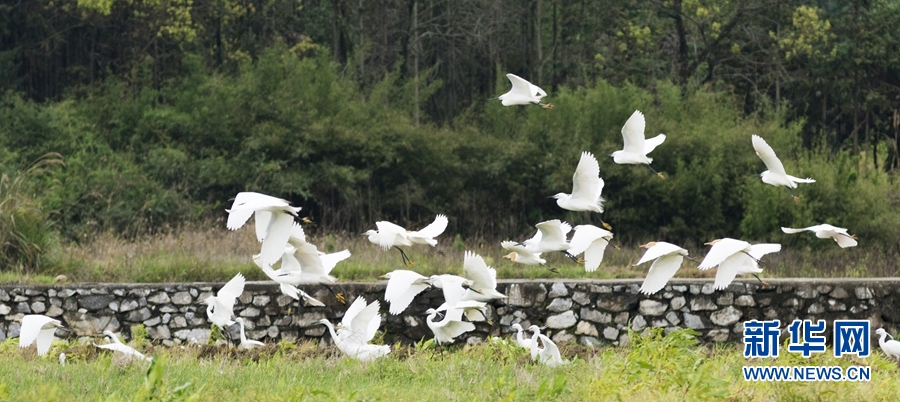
x,y
338,296
550,269
796,199
655,172
406,261
571,257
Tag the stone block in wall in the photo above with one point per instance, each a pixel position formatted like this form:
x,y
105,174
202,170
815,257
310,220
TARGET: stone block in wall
x,y
525,294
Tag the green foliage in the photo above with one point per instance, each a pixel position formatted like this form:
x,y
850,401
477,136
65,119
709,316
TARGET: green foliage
x,y
139,336
156,388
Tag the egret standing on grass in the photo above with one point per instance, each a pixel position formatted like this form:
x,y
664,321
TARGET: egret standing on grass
x,y
776,174
735,257
221,306
548,353
825,231
274,220
521,340
522,93
591,241
890,347
117,346
636,147
246,344
667,259
452,326
37,329
358,327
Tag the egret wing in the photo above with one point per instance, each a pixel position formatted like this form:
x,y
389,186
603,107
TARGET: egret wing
x,y
390,235
456,328
660,272
31,328
476,270
791,230
651,143
729,268
844,240
44,340
584,236
402,288
759,250
553,231
586,182
593,256
277,234
767,154
366,322
721,250
658,250
520,86
550,354
434,229
330,260
633,133
232,290
310,261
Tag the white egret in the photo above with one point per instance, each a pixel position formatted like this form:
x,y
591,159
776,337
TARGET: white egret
x,y
447,329
548,353
221,306
390,235
636,146
521,340
591,241
246,343
825,231
521,255
403,285
735,257
551,236
37,329
667,259
62,359
522,93
427,234
285,284
483,286
117,346
586,187
776,174
274,220
890,347
358,327
453,287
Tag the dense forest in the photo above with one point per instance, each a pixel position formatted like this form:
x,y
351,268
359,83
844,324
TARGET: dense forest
x,y
133,116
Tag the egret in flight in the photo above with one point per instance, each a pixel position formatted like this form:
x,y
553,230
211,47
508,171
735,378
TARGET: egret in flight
x,y
274,220
586,188
776,175
890,347
825,231
483,286
390,235
667,258
735,257
522,93
403,285
37,329
117,346
220,308
520,254
427,234
591,241
358,327
636,147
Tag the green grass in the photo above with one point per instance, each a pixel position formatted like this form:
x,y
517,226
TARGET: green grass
x,y
652,368
209,252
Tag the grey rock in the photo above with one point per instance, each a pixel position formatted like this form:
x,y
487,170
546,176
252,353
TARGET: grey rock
x,y
23,308
718,335
159,332
272,332
611,333
38,307
708,289
99,291
839,293
95,302
693,321
13,330
862,293
250,312
525,294
315,331
745,301
84,324
159,298
590,341
677,302
138,315
638,323
128,305
596,316
834,305
283,300
558,289
54,311
181,298
816,308
562,337
806,291
114,306
672,317
581,298
4,309
261,300
726,316
650,307
178,322
622,318
586,328
726,299
152,322
199,335
564,320
702,304
559,305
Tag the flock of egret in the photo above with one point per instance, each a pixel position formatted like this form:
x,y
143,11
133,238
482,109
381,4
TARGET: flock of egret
x,y
283,243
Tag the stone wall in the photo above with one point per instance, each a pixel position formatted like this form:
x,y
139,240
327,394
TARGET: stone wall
x,y
593,312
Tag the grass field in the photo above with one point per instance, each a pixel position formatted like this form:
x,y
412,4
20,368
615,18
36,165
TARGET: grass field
x,y
211,253
652,368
